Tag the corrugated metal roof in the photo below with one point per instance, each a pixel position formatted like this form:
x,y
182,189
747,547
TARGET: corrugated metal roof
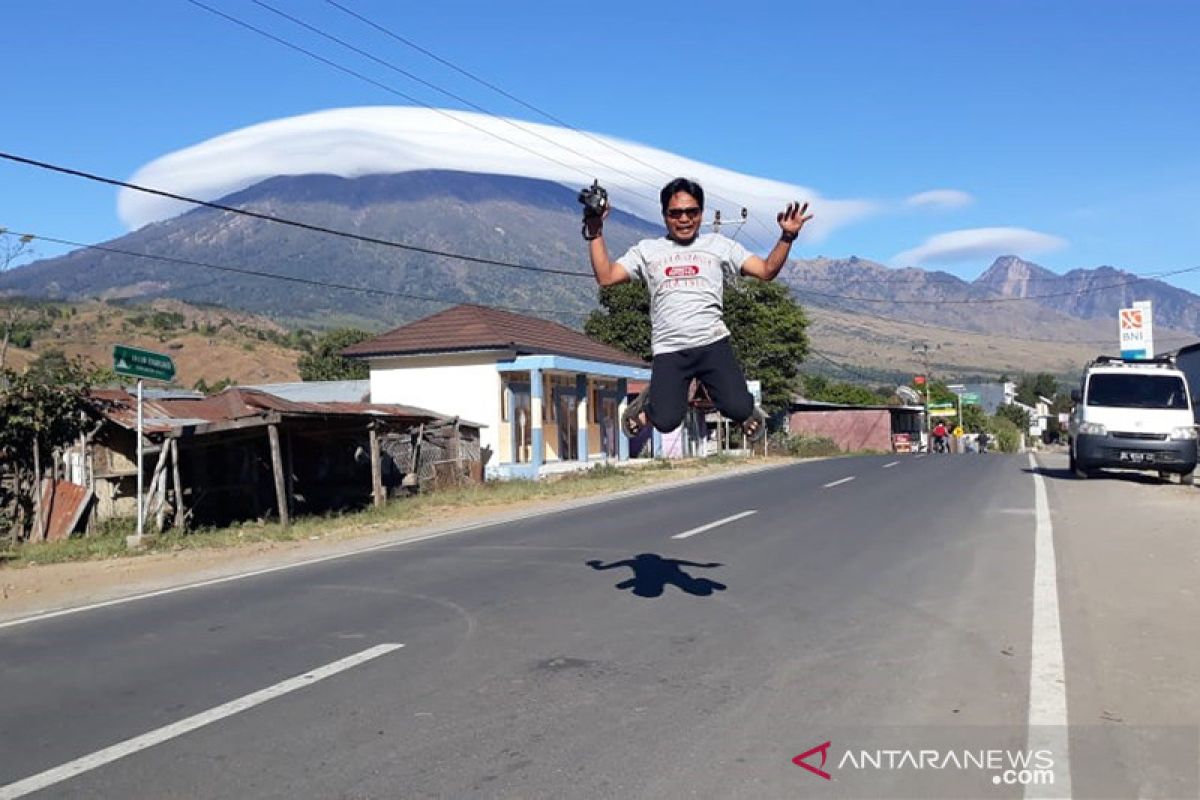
x,y
162,416
318,391
467,327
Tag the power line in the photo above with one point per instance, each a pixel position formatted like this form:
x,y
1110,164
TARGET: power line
x,y
985,300
547,115
479,259
283,221
278,277
445,92
970,332
378,84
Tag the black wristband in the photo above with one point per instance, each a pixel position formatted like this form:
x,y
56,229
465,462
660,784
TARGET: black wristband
x,y
788,237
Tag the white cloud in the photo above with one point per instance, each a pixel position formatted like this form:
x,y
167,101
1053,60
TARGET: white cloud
x,y
351,142
940,198
976,243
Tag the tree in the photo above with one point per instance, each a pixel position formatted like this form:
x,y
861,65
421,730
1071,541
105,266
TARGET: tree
x,y
326,363
623,319
10,250
1030,387
1014,414
40,410
820,388
974,419
769,333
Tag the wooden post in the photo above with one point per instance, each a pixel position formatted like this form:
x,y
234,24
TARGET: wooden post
x,y
456,443
281,498
179,511
38,531
289,474
376,467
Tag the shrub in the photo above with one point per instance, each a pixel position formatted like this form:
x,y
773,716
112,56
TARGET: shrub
x,y
1006,433
802,446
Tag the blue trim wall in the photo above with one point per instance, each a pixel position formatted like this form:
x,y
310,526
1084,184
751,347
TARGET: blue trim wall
x,y
565,364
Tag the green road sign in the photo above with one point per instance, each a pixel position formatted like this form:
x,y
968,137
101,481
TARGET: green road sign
x,y
142,363
936,407
970,398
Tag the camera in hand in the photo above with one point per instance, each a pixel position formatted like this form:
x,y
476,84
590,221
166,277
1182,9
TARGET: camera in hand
x,y
594,199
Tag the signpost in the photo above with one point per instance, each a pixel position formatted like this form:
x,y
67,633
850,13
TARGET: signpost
x,y
942,410
1135,327
143,365
970,398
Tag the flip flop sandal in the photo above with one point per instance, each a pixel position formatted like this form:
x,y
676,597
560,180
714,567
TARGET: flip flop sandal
x,y
755,427
631,422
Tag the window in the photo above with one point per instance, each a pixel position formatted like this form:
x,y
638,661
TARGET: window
x,y
1137,391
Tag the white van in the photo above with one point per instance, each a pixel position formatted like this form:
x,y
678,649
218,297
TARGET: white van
x,y
1133,415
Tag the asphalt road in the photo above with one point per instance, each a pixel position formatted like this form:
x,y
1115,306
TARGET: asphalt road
x,y
626,649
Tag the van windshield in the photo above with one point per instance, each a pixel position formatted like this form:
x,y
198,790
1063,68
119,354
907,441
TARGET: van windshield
x,y
1137,391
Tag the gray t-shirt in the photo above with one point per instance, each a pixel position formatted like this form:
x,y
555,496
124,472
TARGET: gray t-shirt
x,y
685,283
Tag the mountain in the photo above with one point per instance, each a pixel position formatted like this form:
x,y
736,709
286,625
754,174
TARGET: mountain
x,y
1092,293
500,218
868,312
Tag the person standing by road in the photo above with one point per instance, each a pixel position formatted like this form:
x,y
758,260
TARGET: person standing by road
x,y
685,272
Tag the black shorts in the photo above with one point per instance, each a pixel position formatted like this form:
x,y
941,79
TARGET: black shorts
x,y
715,366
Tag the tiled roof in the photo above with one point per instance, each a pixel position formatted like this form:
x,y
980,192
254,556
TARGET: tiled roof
x,y
467,327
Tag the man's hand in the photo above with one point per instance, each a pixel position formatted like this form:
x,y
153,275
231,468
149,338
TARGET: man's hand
x,y
791,220
593,224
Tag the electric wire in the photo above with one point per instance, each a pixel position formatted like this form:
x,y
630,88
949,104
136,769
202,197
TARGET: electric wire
x,y
284,221
545,114
379,84
284,278
508,264
448,93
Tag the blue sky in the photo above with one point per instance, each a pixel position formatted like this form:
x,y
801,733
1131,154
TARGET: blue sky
x,y
1077,121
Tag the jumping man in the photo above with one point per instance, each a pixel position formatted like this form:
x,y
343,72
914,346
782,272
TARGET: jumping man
x,y
685,273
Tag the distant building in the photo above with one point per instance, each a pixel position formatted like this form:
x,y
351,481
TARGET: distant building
x,y
854,428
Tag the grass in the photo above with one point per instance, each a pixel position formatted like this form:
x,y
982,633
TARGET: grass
x,y
426,509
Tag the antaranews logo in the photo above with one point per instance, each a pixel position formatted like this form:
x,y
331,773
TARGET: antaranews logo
x,y
823,749
1008,766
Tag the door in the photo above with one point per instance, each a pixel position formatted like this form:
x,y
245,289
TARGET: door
x,y
568,424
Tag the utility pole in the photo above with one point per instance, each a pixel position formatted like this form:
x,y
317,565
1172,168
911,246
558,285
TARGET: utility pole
x,y
923,349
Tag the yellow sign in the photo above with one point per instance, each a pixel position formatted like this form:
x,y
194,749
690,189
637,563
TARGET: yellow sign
x,y
958,431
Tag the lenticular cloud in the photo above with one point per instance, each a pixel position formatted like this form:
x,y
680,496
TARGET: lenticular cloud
x,y
352,142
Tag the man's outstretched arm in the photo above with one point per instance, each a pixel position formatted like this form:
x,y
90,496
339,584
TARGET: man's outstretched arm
x,y
608,272
791,222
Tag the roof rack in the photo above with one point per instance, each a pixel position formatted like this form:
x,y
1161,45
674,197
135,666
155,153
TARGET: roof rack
x,y
1118,361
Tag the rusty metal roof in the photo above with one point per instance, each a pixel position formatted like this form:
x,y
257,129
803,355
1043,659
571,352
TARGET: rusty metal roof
x,y
234,403
468,327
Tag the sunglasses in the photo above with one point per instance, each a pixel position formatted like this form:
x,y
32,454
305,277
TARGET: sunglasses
x,y
679,213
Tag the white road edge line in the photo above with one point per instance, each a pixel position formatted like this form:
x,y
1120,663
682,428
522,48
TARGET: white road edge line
x,y
437,534
712,525
831,484
890,464
1047,668
130,746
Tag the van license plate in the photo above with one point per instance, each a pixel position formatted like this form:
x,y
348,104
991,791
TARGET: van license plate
x,y
1136,458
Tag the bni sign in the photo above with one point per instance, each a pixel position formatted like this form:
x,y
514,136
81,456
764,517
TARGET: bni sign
x,y
1135,326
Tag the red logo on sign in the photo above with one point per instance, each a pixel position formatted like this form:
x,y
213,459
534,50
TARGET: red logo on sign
x,y
683,272
823,749
1131,319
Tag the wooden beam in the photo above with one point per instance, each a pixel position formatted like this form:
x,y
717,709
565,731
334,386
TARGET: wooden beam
x,y
179,510
281,498
376,466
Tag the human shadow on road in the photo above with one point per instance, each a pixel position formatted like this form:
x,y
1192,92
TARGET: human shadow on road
x,y
652,573
1064,474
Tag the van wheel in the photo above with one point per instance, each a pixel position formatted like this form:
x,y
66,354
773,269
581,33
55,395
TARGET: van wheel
x,y
1188,478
